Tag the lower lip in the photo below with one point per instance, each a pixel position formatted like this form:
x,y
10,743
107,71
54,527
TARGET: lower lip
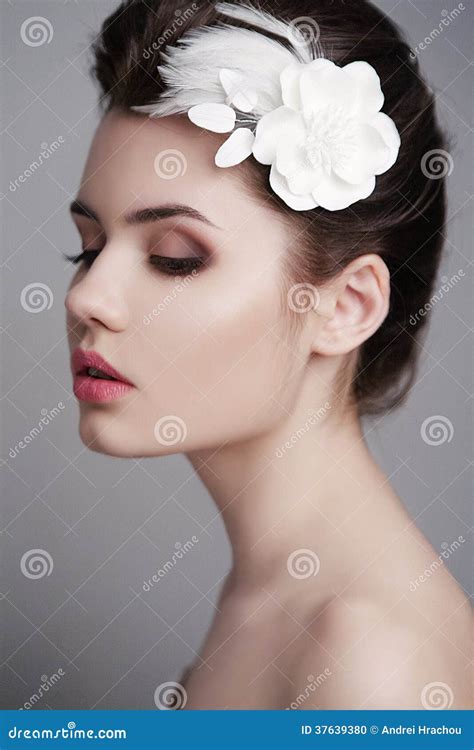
x,y
87,388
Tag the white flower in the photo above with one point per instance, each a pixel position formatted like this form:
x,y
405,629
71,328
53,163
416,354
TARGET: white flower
x,y
325,143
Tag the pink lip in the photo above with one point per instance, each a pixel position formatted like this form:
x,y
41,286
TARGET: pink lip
x,y
88,388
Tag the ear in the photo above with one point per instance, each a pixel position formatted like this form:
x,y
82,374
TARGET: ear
x,y
353,306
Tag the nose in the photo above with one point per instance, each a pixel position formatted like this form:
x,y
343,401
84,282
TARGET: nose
x,y
98,297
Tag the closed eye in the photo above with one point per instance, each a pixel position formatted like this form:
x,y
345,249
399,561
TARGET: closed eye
x,y
164,264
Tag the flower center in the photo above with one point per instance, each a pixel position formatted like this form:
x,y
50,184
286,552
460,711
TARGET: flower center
x,y
329,137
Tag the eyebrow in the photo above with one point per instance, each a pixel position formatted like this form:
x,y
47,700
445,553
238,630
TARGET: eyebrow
x,y
145,215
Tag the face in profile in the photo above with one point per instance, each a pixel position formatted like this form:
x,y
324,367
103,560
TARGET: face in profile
x,y
186,302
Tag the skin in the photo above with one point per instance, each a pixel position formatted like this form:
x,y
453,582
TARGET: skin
x,y
223,357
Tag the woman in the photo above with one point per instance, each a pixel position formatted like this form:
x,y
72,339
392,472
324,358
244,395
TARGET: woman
x,y
245,299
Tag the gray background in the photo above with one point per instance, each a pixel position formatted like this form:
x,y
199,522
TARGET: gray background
x,y
108,523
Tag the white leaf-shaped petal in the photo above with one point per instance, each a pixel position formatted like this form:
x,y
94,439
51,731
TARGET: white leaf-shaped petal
x,y
280,186
238,92
369,94
283,122
216,117
388,130
334,194
236,148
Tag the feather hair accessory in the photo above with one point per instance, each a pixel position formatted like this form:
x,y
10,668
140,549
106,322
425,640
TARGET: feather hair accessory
x,y
318,125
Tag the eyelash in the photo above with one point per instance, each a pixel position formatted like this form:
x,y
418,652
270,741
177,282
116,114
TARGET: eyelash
x,y
167,266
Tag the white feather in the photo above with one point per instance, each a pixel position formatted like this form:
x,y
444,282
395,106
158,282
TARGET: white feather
x,y
190,69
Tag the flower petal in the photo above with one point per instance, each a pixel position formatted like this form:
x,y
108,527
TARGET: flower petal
x,y
290,80
281,122
292,162
334,194
326,86
239,93
369,94
388,130
367,152
280,187
216,117
236,148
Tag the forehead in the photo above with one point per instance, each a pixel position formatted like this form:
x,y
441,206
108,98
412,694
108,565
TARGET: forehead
x,y
137,160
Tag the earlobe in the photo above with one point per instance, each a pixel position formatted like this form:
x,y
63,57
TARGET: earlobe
x,y
356,305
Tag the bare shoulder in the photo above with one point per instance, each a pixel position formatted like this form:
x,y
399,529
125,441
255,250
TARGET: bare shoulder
x,y
364,654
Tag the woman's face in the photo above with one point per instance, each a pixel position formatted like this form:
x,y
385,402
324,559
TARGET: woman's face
x,y
208,352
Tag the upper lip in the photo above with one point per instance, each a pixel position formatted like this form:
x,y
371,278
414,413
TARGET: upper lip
x,y
82,360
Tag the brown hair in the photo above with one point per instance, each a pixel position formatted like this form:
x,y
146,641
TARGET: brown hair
x,y
403,219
